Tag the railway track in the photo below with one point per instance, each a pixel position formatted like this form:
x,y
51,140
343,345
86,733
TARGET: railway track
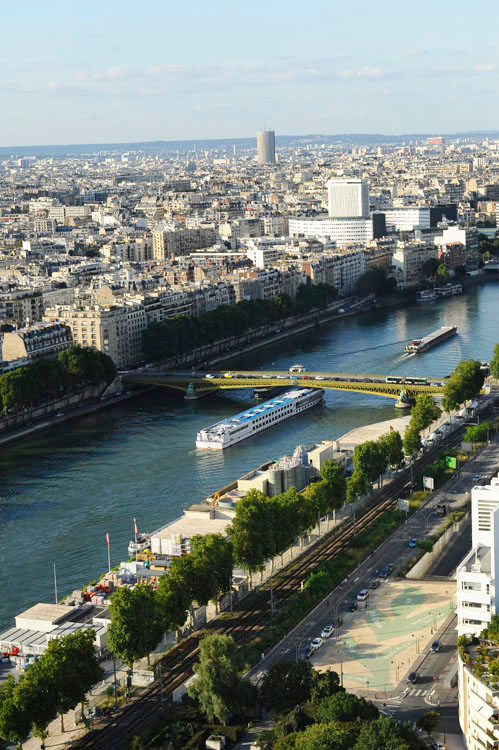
x,y
250,618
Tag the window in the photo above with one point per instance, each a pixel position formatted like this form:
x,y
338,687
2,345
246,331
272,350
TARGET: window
x,y
472,586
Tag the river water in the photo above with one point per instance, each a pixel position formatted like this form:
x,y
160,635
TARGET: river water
x,y
62,491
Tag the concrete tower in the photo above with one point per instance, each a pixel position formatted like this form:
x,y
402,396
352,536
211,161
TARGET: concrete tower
x,y
265,144
348,198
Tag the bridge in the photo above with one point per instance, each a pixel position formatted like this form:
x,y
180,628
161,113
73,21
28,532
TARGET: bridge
x,y
196,384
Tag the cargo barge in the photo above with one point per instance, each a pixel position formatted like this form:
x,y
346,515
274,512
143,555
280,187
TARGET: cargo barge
x,y
417,346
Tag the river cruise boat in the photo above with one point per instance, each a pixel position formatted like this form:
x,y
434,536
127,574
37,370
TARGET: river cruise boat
x,y
234,429
449,290
297,368
429,295
416,346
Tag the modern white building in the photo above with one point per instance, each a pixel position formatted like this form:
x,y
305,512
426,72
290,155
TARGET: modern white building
x,y
406,218
348,198
265,146
343,231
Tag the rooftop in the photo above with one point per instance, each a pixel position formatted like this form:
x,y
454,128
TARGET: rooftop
x,y
47,612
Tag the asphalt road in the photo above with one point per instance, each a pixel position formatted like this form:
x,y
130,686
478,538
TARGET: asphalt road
x,y
459,547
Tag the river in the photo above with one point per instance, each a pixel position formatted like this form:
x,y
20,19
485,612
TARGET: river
x,y
62,491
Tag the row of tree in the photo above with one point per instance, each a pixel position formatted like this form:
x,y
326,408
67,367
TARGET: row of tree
x,y
423,414
44,378
333,719
53,685
375,281
141,615
182,334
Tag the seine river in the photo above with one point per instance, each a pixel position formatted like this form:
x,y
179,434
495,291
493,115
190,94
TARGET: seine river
x,y
63,490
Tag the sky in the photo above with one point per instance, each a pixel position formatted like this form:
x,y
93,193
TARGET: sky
x,y
118,71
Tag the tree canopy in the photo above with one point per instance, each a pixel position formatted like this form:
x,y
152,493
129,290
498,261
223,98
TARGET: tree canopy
x,y
464,384
135,627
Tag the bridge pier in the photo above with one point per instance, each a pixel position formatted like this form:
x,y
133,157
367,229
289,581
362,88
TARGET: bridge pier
x,y
192,395
403,401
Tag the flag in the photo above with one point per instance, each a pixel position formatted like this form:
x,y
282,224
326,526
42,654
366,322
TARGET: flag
x,y
107,539
135,525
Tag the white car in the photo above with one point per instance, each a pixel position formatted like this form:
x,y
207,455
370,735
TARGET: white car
x,y
327,631
362,595
319,377
210,376
316,644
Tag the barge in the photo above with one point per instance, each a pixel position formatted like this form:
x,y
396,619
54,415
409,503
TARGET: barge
x,y
417,346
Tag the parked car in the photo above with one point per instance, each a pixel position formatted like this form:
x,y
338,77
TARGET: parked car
x,y
362,595
60,414
374,584
435,647
413,678
437,746
319,377
209,375
306,652
383,573
390,567
316,644
352,606
413,542
327,631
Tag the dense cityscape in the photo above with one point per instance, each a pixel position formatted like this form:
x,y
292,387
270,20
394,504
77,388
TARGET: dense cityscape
x,y
249,385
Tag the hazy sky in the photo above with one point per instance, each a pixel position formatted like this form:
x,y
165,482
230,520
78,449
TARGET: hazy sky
x,y
116,70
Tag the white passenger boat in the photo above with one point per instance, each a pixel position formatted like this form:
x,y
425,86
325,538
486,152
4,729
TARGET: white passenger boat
x,y
234,429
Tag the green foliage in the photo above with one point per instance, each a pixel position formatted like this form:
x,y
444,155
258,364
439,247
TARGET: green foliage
x,y
324,684
392,446
358,484
375,281
385,733
478,433
286,684
181,334
334,482
15,721
370,459
425,411
335,735
217,686
430,267
412,438
346,707
428,721
465,383
494,363
442,274
425,544
135,627
29,385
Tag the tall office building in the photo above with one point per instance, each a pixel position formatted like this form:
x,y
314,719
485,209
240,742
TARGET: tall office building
x,y
348,198
265,145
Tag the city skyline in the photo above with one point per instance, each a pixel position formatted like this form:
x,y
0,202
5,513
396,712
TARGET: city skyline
x,y
110,75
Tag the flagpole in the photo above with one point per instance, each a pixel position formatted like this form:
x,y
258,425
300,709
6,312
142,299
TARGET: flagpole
x,y
108,553
55,585
135,529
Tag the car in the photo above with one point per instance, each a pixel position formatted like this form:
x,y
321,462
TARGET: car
x,y
476,477
228,375
60,414
413,677
306,377
383,573
374,584
319,377
437,746
316,643
352,606
341,310
337,622
209,376
327,631
413,542
362,595
306,652
435,647
390,567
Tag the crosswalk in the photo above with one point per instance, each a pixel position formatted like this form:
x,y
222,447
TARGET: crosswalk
x,y
413,692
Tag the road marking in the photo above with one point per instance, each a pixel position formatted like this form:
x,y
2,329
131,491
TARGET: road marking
x,y
423,693
418,693
356,579
412,692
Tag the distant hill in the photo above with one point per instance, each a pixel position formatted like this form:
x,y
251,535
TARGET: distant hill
x,y
171,147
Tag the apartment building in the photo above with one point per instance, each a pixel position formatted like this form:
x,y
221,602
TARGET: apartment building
x,y
343,231
138,251
20,306
406,218
409,258
170,241
114,330
44,339
452,255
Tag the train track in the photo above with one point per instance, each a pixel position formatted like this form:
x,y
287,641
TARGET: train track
x,y
250,619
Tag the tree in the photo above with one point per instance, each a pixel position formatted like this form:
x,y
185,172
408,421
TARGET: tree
x,y
35,694
465,383
384,733
442,274
478,433
334,735
335,484
392,447
135,627
251,531
15,721
212,557
494,363
429,267
428,721
173,602
346,707
412,438
73,666
217,685
358,484
324,684
286,684
425,411
369,458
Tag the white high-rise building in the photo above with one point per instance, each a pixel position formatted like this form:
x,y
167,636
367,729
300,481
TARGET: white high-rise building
x,y
265,146
348,198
